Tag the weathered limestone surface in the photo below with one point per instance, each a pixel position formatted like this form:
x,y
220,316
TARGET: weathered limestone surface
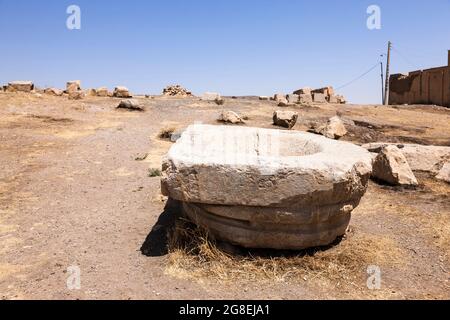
x,y
20,86
266,188
292,98
420,157
444,173
319,98
286,119
391,166
305,98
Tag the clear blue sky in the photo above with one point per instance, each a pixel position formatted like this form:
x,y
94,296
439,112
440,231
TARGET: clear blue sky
x,y
235,47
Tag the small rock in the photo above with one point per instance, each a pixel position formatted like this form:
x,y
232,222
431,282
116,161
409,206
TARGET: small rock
x,y
334,129
286,119
444,173
53,92
102,92
391,166
130,104
121,92
283,103
230,117
264,98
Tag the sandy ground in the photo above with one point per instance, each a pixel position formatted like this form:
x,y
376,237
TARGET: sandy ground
x,y
73,194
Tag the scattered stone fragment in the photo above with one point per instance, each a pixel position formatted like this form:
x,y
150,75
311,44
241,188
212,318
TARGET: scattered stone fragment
x,y
392,167
340,99
102,92
230,117
333,129
91,93
264,98
176,90
53,92
286,119
420,158
283,103
444,173
20,86
122,92
130,104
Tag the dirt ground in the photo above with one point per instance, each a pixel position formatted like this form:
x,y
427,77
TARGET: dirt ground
x,y
73,194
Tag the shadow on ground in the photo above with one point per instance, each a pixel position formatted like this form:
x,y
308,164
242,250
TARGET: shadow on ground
x,y
156,243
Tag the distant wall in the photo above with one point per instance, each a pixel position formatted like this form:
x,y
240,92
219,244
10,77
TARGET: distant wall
x,y
431,86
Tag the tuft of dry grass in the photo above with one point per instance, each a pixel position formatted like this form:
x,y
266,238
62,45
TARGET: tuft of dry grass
x,y
193,254
166,132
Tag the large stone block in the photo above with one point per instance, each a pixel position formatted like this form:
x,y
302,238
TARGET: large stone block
x,y
244,184
122,92
74,85
391,166
20,86
419,157
286,119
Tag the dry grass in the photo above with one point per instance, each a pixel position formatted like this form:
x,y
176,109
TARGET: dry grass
x,y
166,132
194,255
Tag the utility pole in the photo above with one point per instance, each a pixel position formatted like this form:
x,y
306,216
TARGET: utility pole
x,y
386,86
382,82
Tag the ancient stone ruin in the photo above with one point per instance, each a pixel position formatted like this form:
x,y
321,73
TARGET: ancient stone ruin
x,y
176,91
263,188
20,86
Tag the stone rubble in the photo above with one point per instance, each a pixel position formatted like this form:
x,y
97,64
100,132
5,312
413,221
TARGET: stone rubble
x,y
286,119
176,91
391,166
230,117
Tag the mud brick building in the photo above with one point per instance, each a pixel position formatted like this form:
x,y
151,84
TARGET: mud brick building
x,y
430,86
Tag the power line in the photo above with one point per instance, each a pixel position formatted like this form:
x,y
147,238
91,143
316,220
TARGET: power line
x,y
359,77
408,61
